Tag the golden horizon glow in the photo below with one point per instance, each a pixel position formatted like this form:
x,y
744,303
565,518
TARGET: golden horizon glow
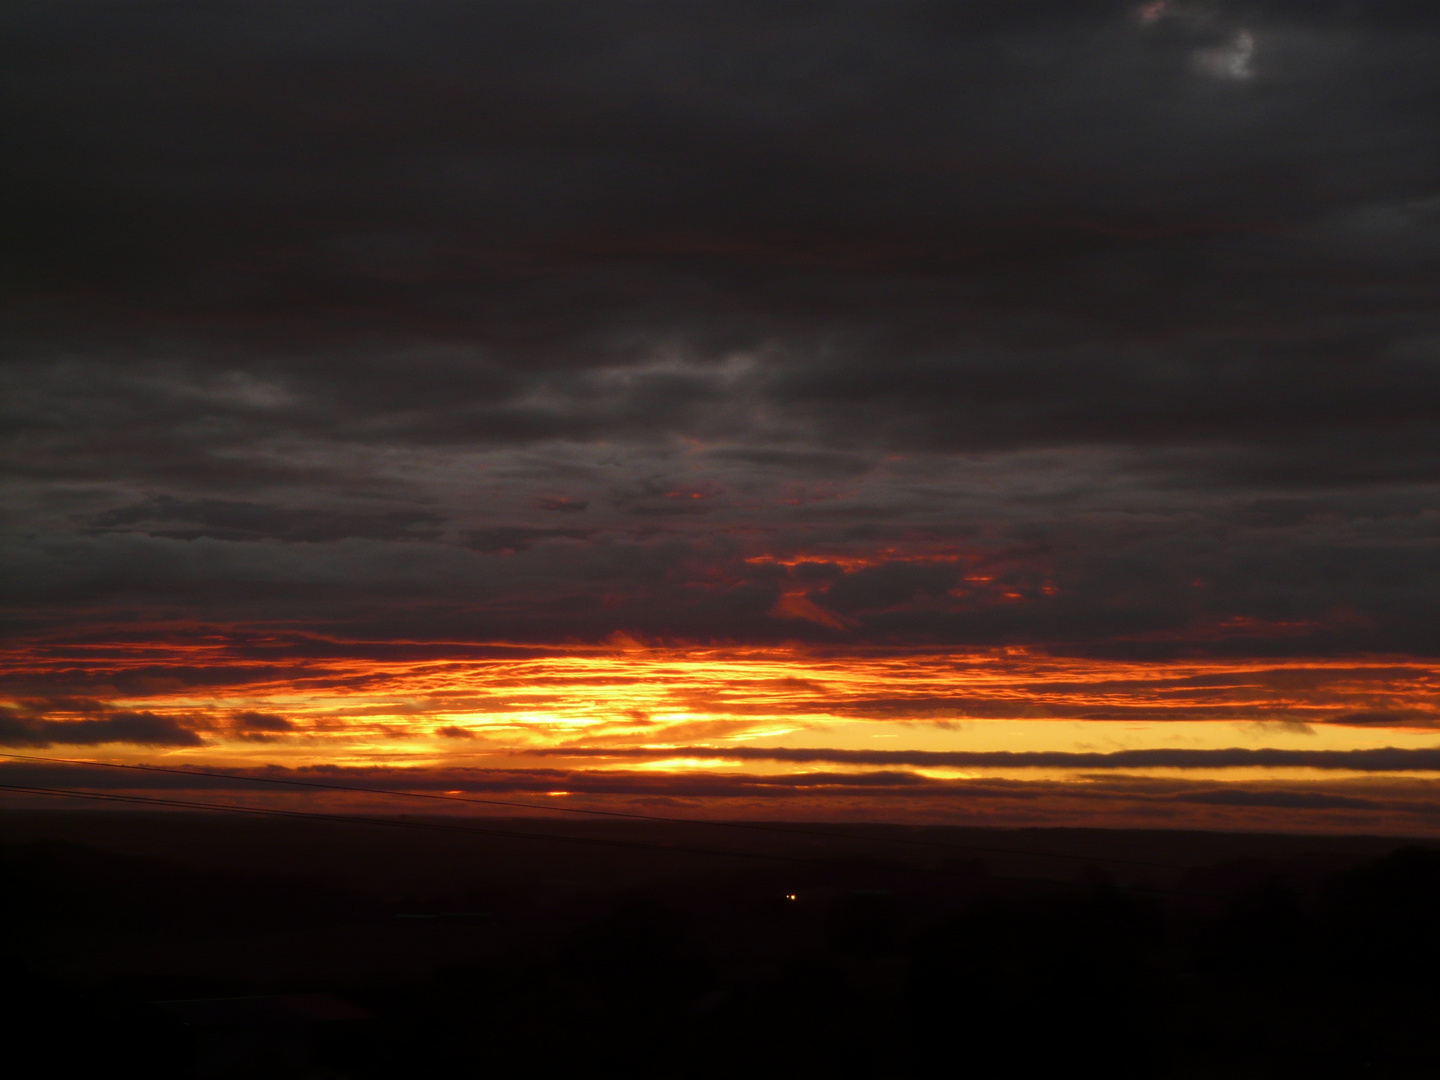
x,y
437,708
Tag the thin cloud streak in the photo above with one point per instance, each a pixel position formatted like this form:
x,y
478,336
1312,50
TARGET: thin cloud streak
x,y
1379,759
1397,806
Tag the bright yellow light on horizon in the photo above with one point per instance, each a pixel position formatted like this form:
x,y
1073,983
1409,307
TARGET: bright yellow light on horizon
x,y
493,713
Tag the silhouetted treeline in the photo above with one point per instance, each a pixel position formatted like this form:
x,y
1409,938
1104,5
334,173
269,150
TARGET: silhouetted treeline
x,y
1279,966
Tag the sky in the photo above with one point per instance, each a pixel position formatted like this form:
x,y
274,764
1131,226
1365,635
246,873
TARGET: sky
x,y
987,413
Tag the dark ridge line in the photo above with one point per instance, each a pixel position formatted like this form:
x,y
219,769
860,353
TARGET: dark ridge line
x,y
747,825
636,845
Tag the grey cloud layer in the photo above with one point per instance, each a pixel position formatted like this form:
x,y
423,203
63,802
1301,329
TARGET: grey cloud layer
x,y
1373,804
538,321
139,728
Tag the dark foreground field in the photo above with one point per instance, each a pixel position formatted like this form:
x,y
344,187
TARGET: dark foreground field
x,y
171,944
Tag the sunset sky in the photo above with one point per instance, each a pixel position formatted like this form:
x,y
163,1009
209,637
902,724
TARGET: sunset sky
x,y
970,412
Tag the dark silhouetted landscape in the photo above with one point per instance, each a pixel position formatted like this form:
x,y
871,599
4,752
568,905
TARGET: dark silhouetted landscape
x,y
169,944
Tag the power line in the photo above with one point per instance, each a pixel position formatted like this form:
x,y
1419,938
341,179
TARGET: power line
x,y
508,804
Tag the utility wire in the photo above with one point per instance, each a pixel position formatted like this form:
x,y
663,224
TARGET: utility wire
x,y
746,825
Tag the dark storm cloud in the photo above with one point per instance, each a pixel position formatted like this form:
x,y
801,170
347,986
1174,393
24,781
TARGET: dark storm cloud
x,y
325,310
1394,718
564,505
517,538
138,728
232,520
260,722
1129,800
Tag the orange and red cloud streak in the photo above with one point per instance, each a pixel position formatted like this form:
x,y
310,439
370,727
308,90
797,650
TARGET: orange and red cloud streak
x,y
739,727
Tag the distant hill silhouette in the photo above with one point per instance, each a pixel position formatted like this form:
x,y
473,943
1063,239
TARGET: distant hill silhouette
x,y
1202,955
